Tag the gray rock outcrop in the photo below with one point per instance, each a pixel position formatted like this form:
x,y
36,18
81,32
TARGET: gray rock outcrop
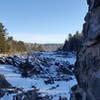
x,y
87,69
4,83
30,95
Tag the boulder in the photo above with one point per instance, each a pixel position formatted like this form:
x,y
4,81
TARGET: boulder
x,y
2,93
4,83
29,95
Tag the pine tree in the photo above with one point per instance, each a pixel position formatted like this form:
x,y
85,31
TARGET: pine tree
x,y
3,34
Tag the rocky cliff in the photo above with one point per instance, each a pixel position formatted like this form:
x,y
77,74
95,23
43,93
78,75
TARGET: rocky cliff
x,y
87,69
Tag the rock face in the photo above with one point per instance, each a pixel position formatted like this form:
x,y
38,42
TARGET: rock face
x,y
91,28
88,64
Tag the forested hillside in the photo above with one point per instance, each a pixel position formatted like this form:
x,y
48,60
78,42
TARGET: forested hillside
x,y
74,42
9,45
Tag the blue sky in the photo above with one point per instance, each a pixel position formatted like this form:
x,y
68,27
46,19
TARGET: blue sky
x,y
42,21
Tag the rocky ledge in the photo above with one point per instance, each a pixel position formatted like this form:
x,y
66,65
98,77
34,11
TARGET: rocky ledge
x,y
87,69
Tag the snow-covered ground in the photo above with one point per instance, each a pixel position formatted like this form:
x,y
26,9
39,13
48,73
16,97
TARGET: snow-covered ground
x,y
57,89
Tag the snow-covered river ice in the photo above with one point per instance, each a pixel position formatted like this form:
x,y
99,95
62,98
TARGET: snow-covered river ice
x,y
60,86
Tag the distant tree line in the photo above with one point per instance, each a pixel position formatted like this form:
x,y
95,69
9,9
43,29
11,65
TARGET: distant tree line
x,y
30,47
74,42
9,45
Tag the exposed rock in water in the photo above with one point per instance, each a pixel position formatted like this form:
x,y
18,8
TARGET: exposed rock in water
x,y
3,82
88,64
2,93
3,85
30,95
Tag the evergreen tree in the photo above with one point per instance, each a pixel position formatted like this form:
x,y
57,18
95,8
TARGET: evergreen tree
x,y
74,42
3,45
